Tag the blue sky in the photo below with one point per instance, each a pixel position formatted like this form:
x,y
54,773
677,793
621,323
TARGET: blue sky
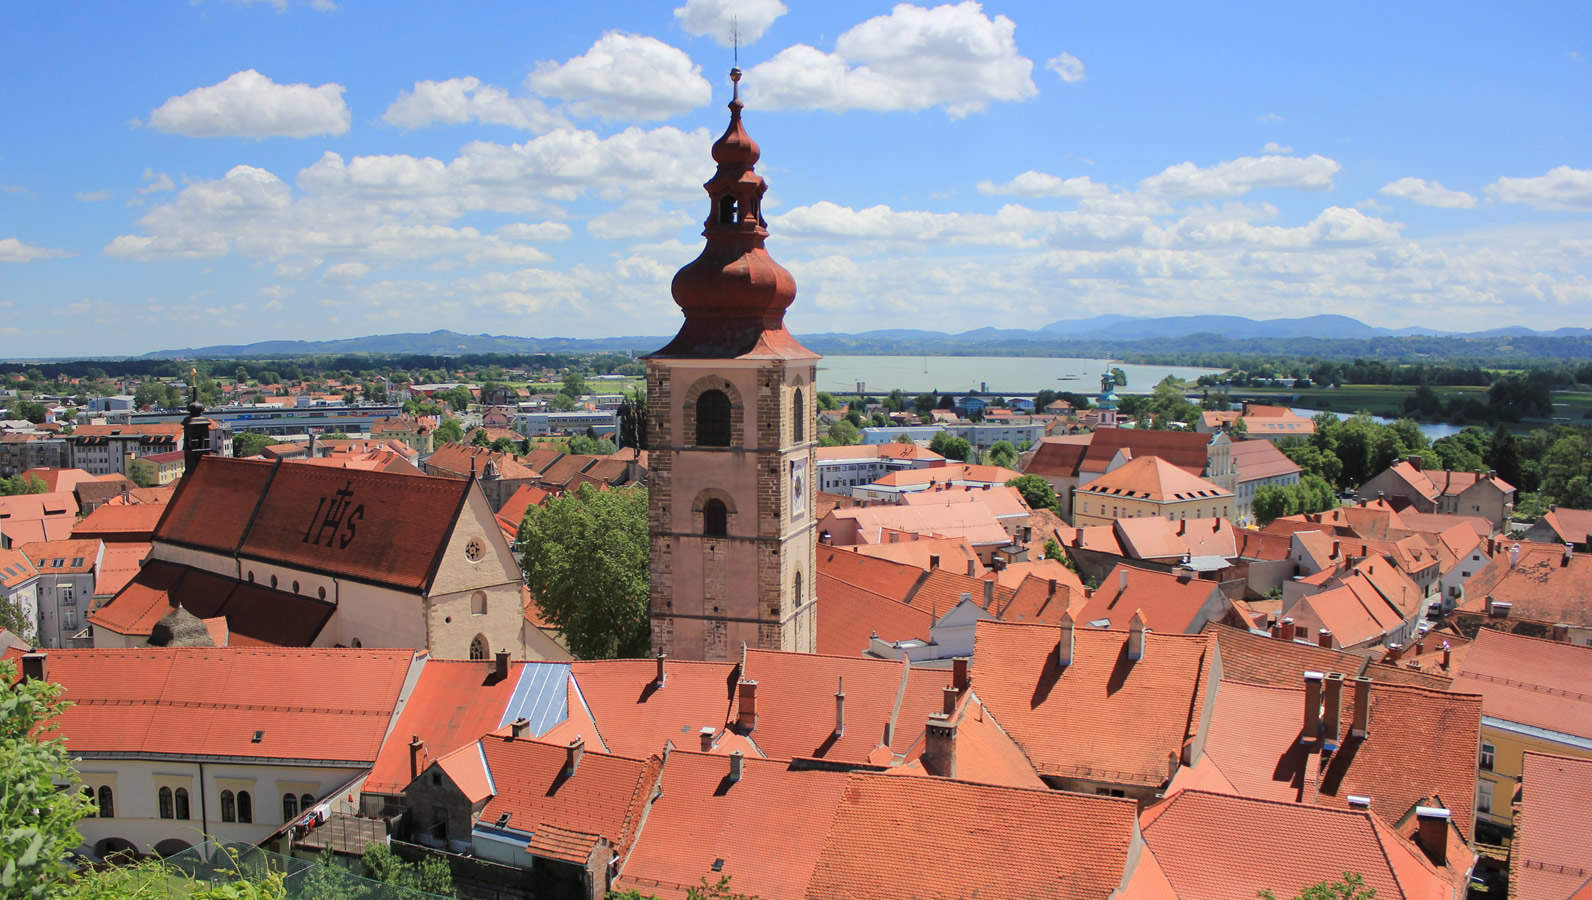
x,y
178,174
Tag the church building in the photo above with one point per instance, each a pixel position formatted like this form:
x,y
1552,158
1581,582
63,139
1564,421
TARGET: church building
x,y
732,445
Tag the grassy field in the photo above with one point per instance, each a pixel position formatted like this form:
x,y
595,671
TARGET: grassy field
x,y
1388,399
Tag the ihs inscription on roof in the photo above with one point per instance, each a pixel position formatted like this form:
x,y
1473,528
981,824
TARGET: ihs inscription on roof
x,y
335,519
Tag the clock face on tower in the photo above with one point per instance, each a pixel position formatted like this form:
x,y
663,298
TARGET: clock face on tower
x,y
798,488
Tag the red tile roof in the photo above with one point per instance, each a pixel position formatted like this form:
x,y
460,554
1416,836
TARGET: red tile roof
x,y
118,566
1421,742
956,473
1153,478
1257,460
15,568
940,838
306,704
1183,449
1169,604
1103,717
255,614
453,703
848,616
1059,457
773,813
63,557
115,522
58,479
635,717
1266,660
605,796
1541,586
1550,856
953,553
880,576
213,504
1530,681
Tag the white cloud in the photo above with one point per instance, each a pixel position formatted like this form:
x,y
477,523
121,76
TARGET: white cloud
x,y
349,271
637,222
93,196
952,57
625,76
1068,67
719,19
1242,175
535,231
155,182
1274,147
460,100
1428,193
251,105
13,250
1043,184
1562,188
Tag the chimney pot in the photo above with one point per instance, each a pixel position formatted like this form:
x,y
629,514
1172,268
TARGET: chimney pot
x,y
1287,630
840,707
33,666
1446,653
501,665
746,710
989,594
1362,708
1182,526
1415,463
1122,578
1357,801
1312,726
939,745
1324,638
737,763
972,568
706,734
416,747
1432,833
959,673
1394,651
572,754
1053,585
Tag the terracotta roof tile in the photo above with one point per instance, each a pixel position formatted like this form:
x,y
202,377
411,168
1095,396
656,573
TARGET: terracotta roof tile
x,y
604,797
453,703
1103,717
1169,604
884,577
848,616
255,614
1186,450
118,566
1541,586
953,553
1005,842
871,524
214,503
1257,460
1260,659
636,717
1529,680
957,473
1045,600
63,557
1153,478
940,590
121,523
1550,856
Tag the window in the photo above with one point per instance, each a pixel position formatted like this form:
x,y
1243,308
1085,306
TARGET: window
x,y
182,803
1487,753
798,591
93,808
715,518
245,807
727,210
289,807
165,803
229,807
798,422
478,603
306,801
713,419
68,595
478,647
69,619
77,561
1484,792
107,803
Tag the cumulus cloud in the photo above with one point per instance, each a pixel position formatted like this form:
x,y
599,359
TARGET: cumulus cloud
x,y
156,182
251,105
950,56
1242,175
1274,147
1068,67
637,222
625,76
1562,188
13,250
1043,184
535,231
460,100
1428,193
721,19
349,271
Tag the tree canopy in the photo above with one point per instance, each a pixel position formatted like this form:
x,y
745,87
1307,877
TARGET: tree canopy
x,y
586,562
38,822
1037,493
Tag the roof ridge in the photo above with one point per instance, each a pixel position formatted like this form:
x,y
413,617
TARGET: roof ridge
x,y
523,739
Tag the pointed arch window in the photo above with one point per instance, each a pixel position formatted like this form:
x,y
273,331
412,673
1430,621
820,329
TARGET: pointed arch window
x,y
715,518
798,589
798,421
713,419
479,648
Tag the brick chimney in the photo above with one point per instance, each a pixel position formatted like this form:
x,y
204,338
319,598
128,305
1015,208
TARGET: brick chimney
x,y
1064,647
1446,655
972,568
1136,631
1182,526
1394,651
1432,833
948,699
518,727
706,734
1312,726
959,677
1287,630
500,667
1332,709
1122,578
840,707
416,748
572,754
34,666
1569,554
658,679
1324,638
737,765
1361,728
746,705
989,594
939,745
1415,462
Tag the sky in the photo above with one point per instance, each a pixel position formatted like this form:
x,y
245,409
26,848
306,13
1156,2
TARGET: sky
x,y
177,174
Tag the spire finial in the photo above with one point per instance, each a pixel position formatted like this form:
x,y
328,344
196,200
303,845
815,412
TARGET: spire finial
x,y
735,67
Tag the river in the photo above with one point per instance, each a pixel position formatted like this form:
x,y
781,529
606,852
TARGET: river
x,y
1432,430
1001,374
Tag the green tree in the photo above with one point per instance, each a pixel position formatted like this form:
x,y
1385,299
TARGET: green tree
x,y
561,403
457,397
574,385
1003,454
448,431
503,445
149,394
17,484
1503,455
38,821
923,404
247,443
586,562
633,420
1036,491
1240,429
826,400
1352,887
1271,502
844,433
582,444
478,438
1119,377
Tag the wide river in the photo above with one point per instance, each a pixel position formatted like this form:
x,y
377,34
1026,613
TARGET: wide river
x,y
1001,374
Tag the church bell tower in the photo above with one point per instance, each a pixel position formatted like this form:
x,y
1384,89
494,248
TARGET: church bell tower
x,y
731,458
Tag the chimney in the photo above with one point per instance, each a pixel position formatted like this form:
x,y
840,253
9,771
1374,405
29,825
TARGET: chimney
x,y
934,560
658,679
1362,708
1561,631
33,666
1499,609
1136,631
939,745
989,594
1359,801
1569,553
572,754
737,763
1312,726
824,537
416,747
1064,647
840,707
1287,630
1415,462
1514,555
959,673
1432,833
949,697
500,667
746,707
1394,651
1337,550
1324,638
972,568
706,734
1122,578
1446,652
1332,711
1182,526
1053,585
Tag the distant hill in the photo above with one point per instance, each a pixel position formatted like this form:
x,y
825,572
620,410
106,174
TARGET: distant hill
x,y
1242,327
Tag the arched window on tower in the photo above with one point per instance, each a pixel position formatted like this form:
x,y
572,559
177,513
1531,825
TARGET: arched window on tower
x,y
713,419
715,518
798,591
479,648
798,419
727,210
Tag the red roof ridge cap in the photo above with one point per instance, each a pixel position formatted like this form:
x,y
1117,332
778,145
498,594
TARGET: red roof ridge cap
x,y
561,745
865,659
